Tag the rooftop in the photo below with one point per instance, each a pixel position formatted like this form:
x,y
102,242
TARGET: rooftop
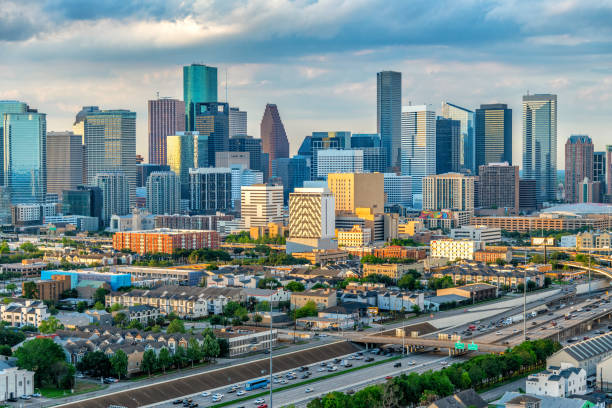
x,y
590,348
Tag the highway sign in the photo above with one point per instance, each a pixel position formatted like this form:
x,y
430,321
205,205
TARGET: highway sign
x,y
473,346
460,346
539,241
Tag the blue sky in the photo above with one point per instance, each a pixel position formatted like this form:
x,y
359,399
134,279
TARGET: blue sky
x,y
317,60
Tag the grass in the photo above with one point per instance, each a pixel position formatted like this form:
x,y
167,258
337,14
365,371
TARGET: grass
x,y
509,380
81,387
305,382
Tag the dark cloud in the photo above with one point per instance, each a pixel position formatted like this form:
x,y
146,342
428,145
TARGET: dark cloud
x,y
16,24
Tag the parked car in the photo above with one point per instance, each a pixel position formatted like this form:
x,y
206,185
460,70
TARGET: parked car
x,y
398,364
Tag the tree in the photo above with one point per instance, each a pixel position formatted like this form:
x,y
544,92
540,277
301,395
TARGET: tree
x,y
257,319
547,281
416,309
119,318
180,357
223,347
95,363
29,290
4,248
51,325
211,348
216,320
116,307
100,295
194,353
294,286
531,285
119,363
176,326
149,362
11,286
135,324
268,283
164,359
41,356
28,247
309,309
5,350
263,306
229,310
81,306
99,306
11,337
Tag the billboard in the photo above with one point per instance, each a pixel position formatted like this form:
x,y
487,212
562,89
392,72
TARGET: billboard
x,y
444,215
541,241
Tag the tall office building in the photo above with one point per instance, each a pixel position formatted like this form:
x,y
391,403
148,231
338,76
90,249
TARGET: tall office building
x,y
212,120
323,141
7,107
448,138
374,159
357,190
64,162
143,170
110,137
163,193
338,161
242,176
166,117
237,122
498,187
261,204
211,190
84,200
540,144
228,159
293,172
25,156
578,165
78,128
359,140
418,145
398,189
599,170
389,113
273,136
493,136
312,220
199,86
527,196
244,143
450,191
115,194
186,150
467,151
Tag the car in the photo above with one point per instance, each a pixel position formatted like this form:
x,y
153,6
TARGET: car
x,y
321,369
369,359
36,395
194,405
262,406
177,402
332,368
396,365
205,394
389,377
443,363
25,397
307,390
239,393
304,376
359,357
80,375
231,390
259,401
283,381
412,363
323,363
219,396
498,333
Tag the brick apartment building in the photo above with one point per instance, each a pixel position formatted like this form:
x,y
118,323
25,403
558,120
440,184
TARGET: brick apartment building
x,y
165,240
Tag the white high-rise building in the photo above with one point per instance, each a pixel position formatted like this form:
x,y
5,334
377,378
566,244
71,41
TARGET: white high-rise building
x,y
237,122
398,189
338,161
243,177
115,194
418,145
312,219
163,193
261,204
449,191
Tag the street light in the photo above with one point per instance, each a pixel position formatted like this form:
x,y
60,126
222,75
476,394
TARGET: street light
x,y
270,283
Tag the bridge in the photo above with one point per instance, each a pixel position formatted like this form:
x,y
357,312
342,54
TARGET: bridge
x,y
602,270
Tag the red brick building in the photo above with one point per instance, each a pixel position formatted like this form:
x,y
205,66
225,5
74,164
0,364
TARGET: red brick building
x,y
396,251
492,254
165,240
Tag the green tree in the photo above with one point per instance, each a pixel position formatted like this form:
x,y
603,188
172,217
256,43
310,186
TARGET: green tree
x,y
11,286
416,309
229,310
100,295
179,358
116,307
164,359
119,318
99,306
135,324
216,320
263,306
29,290
268,283
149,362
309,309
4,248
28,247
44,357
11,337
257,319
81,306
194,353
95,363
294,286
176,326
51,325
119,363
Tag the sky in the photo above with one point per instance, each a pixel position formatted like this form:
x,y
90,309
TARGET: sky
x,y
317,60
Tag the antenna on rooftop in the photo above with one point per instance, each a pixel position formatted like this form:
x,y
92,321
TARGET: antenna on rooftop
x,y
157,93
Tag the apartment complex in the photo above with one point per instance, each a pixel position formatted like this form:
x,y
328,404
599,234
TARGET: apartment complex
x,y
396,251
355,237
454,248
24,312
394,271
261,204
452,191
322,298
507,275
165,240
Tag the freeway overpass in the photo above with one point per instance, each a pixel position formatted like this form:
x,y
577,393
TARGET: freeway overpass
x,y
602,270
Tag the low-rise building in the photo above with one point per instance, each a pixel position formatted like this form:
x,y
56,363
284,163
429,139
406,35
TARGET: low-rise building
x,y
480,233
586,354
410,228
114,280
247,339
24,312
394,271
181,276
518,400
25,268
474,291
507,275
355,237
396,300
558,382
165,240
14,382
396,251
322,298
493,254
50,289
454,248
144,314
72,320
463,399
322,256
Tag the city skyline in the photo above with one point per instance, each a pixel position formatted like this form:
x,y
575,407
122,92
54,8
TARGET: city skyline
x,y
296,68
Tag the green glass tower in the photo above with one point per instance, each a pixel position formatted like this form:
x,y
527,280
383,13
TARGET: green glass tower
x,y
7,107
199,86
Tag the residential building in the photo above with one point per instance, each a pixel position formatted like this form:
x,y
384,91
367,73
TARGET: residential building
x,y
164,240
144,314
396,251
322,298
50,289
229,159
211,189
398,189
418,148
357,190
467,145
261,204
237,122
527,196
143,170
355,237
14,382
312,220
454,248
493,134
498,187
394,271
273,137
293,172
166,117
453,191
518,400
540,144
475,292
163,193
388,114
338,161
199,85
545,222
24,152
493,254
251,145
477,233
110,138
558,382
478,272
585,354
578,165
64,162
588,240
212,121
463,399
322,256
398,301
115,194
448,138
24,312
186,150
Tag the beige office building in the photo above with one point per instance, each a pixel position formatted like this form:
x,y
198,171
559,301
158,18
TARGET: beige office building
x,y
64,162
312,219
358,190
261,204
452,191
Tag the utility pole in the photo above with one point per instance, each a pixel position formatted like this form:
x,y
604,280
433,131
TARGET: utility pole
x,y
525,299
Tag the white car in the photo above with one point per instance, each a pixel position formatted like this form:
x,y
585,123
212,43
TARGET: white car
x,y
321,369
205,394
239,393
412,363
25,397
308,390
217,397
259,401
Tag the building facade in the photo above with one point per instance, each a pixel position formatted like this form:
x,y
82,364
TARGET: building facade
x,y
418,148
493,134
292,172
454,248
163,193
389,113
210,189
244,143
448,138
357,190
64,162
355,237
261,204
166,117
199,85
273,136
398,189
467,152
312,219
186,150
338,161
212,121
115,194
578,165
237,122
452,191
498,187
164,240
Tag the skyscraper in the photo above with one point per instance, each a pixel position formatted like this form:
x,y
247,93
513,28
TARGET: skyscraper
x,y
578,165
115,194
450,191
608,173
111,145
64,162
199,86
211,190
292,171
398,189
388,114
338,161
244,143
323,141
273,137
498,187
374,159
143,170
357,190
84,200
418,145
25,156
186,150
163,193
359,140
7,107
448,137
493,140
212,120
467,152
599,169
261,204
78,128
166,117
237,122
242,176
540,144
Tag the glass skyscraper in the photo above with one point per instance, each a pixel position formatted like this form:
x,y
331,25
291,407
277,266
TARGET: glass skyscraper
x,y
324,141
540,144
212,121
199,85
25,155
7,107
388,114
493,134
467,152
186,150
448,138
